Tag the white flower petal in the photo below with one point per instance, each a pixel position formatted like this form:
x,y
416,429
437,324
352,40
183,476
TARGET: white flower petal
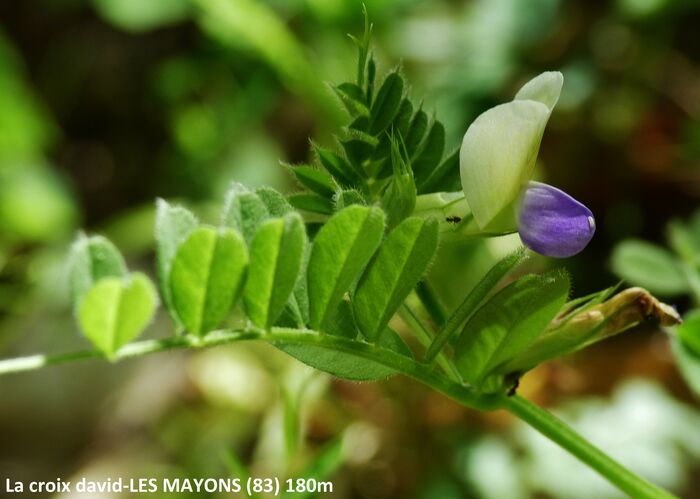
x,y
544,88
498,155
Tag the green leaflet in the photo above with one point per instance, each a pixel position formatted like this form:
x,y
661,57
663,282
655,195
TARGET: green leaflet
x,y
339,253
346,365
276,256
298,305
243,211
357,145
476,296
173,225
416,131
371,73
312,203
394,271
299,301
649,266
352,98
116,309
206,277
343,199
688,364
572,329
275,202
315,180
338,167
444,177
689,332
386,104
343,321
508,323
403,117
431,153
91,259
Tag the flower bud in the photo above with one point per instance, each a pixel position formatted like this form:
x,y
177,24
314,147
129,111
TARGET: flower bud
x,y
583,326
553,223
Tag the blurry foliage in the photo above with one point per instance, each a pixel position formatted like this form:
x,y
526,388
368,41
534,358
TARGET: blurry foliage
x,y
671,272
659,441
105,104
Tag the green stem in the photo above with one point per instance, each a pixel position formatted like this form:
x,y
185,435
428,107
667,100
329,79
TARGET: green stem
x,y
432,303
425,338
469,306
536,417
388,358
557,431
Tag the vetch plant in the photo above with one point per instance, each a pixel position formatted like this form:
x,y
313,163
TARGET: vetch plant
x,y
325,274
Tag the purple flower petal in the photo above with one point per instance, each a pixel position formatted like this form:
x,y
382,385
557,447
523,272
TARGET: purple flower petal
x,y
553,223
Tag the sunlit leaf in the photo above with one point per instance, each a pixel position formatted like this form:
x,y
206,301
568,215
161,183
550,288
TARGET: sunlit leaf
x,y
400,262
339,253
206,277
116,310
173,225
276,255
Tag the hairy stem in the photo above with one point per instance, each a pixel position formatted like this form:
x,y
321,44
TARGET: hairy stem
x,y
425,338
557,431
538,418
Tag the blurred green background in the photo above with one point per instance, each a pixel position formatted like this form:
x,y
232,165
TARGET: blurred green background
x,y
107,104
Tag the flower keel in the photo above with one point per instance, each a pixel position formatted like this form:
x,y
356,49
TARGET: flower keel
x,y
553,223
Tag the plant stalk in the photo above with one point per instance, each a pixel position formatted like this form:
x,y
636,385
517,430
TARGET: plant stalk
x,y
557,431
538,418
